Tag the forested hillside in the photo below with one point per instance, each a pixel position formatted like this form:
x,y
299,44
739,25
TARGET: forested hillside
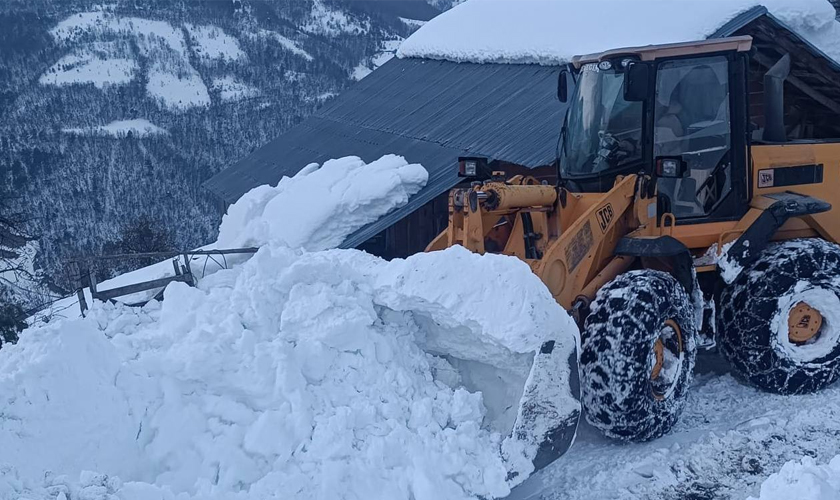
x,y
111,116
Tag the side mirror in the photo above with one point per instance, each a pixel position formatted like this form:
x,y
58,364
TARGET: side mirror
x,y
636,82
563,86
671,167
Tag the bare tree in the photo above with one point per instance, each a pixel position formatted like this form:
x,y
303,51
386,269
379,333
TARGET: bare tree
x,y
12,238
142,235
16,272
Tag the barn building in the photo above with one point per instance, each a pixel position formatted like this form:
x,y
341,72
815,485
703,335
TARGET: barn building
x,y
431,112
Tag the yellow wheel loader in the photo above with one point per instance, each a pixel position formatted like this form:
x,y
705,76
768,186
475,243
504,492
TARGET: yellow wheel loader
x,y
684,215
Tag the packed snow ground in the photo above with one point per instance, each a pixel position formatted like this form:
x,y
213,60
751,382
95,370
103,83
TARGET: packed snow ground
x,y
551,32
301,373
730,439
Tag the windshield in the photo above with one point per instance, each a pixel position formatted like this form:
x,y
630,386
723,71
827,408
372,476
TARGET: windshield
x,y
602,131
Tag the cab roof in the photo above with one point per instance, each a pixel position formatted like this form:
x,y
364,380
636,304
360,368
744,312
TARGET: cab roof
x,y
653,52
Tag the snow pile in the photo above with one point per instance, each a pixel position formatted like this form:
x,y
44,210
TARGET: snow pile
x,y
67,370
551,32
324,374
138,127
301,210
803,480
295,375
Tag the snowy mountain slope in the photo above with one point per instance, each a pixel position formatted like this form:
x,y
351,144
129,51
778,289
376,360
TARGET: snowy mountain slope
x,y
86,91
171,78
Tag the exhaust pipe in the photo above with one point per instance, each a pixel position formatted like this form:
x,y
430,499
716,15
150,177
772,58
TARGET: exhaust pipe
x,y
774,101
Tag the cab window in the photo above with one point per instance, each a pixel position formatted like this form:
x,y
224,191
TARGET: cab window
x,y
691,121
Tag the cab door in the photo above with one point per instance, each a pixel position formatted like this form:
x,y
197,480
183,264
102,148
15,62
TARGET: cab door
x,y
693,121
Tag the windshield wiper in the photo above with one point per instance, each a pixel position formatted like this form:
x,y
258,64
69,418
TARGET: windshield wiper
x,y
560,139
563,132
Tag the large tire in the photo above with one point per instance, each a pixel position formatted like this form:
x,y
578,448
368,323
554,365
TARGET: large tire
x,y
754,312
628,316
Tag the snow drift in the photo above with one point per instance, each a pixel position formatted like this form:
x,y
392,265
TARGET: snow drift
x,y
551,32
296,374
803,480
314,208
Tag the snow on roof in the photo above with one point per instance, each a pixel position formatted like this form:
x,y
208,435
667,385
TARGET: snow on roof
x,y
551,32
349,192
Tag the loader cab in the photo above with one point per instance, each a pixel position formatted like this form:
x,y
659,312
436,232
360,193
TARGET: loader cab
x,y
676,112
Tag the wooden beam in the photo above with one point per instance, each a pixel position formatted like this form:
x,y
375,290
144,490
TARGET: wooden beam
x,y
80,293
804,87
165,255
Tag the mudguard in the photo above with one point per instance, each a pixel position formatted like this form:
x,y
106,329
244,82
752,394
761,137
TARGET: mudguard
x,y
746,249
663,247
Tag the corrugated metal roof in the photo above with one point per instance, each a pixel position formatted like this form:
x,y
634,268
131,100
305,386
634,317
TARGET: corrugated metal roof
x,y
739,21
433,110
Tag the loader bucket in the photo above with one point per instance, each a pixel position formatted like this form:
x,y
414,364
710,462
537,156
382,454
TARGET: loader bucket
x,y
495,329
531,398
549,409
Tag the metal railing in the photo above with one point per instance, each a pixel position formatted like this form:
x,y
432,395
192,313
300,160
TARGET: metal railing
x,y
181,264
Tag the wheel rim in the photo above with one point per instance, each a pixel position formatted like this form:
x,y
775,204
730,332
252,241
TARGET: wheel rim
x,y
667,357
809,341
804,323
